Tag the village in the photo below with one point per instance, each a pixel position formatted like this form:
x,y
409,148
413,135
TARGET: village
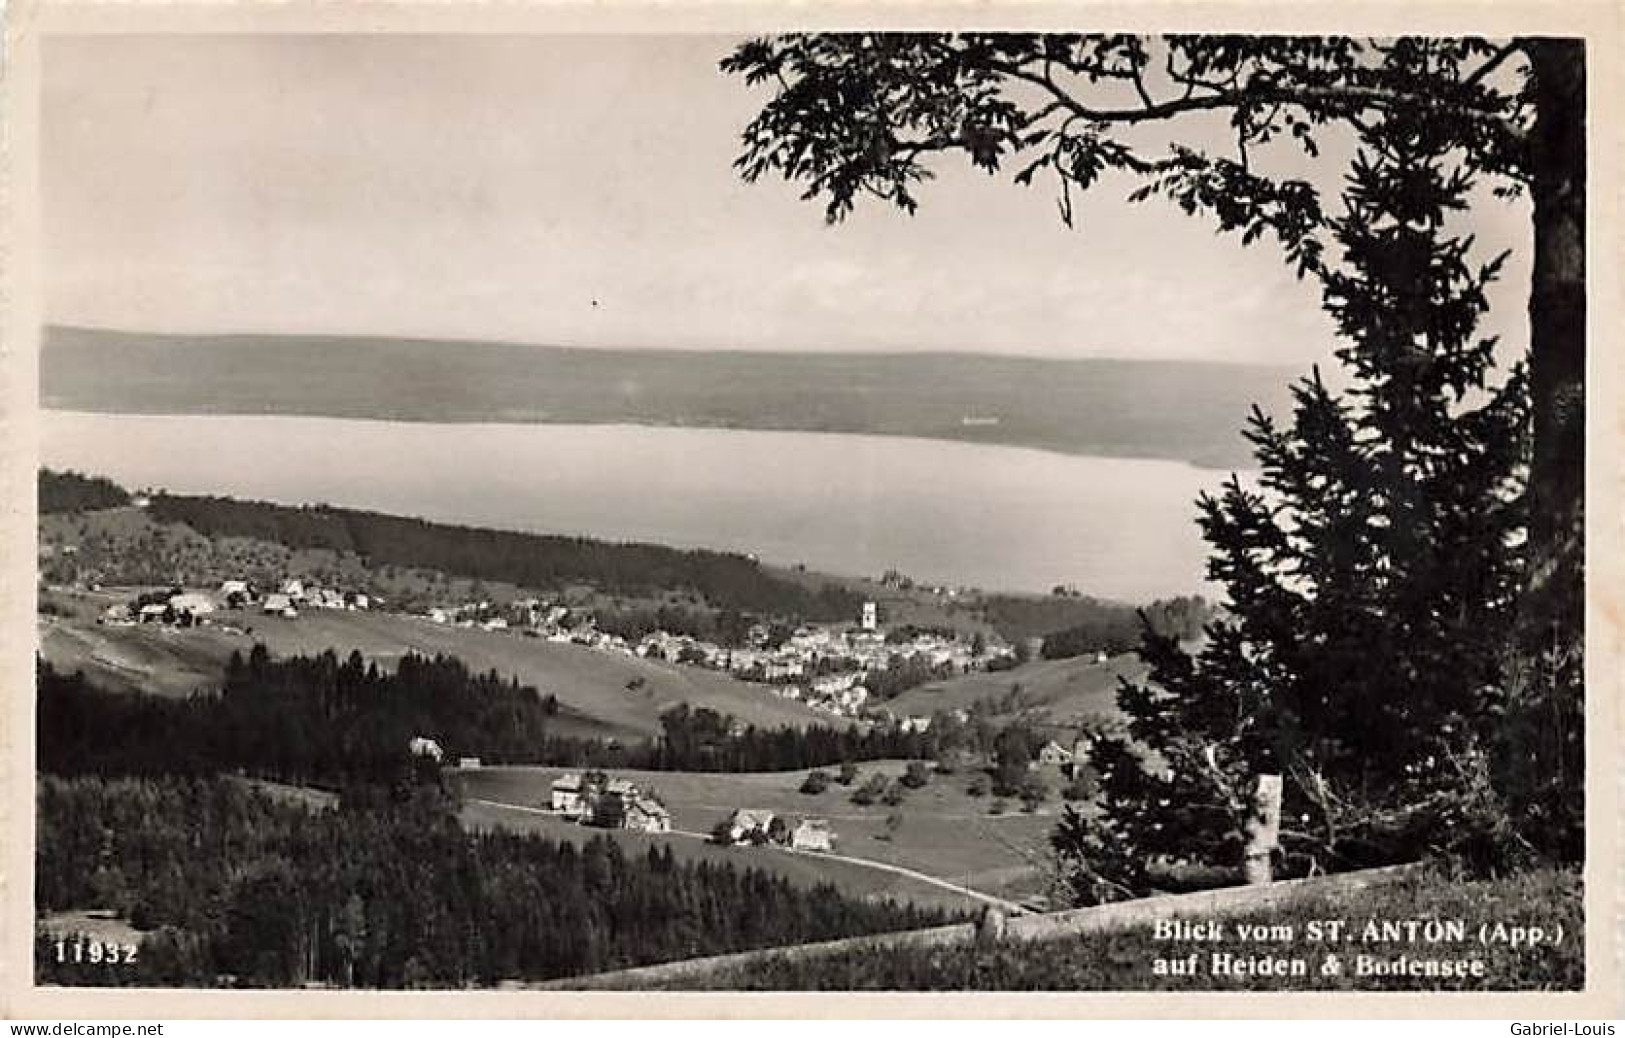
x,y
827,667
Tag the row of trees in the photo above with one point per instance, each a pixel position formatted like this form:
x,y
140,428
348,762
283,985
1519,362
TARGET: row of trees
x,y
300,720
329,722
701,739
240,890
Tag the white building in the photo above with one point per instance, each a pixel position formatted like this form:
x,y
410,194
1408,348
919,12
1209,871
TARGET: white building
x,y
646,815
425,748
813,834
277,603
871,616
566,794
193,603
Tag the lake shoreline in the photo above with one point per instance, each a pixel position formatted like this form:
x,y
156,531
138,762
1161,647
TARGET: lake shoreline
x,y
957,514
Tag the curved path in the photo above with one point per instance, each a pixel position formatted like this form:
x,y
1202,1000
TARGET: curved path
x,y
1006,906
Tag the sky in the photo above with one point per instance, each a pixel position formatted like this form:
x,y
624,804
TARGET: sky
x,y
578,191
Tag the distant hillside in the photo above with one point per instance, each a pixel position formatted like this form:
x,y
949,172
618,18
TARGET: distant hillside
x,y
1178,410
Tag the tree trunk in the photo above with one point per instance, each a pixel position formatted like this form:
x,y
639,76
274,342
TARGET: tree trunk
x,y
1557,335
1542,756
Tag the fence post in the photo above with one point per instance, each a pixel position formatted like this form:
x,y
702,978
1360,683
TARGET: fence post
x,y
1263,830
990,925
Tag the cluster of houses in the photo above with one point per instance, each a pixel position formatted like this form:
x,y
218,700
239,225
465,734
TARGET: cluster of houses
x,y
187,608
594,798
821,665
824,666
752,826
599,799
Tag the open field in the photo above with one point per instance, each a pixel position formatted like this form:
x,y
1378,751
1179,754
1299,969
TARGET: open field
x,y
807,870
163,663
591,686
944,832
1062,692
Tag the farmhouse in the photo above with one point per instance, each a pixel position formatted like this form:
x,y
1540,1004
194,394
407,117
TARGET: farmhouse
x,y
1054,755
813,834
566,795
425,748
277,604
746,822
646,815
191,604
324,598
153,612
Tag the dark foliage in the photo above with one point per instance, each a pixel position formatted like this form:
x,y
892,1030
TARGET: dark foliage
x,y
73,492
322,720
901,674
703,740
304,719
239,890
1373,580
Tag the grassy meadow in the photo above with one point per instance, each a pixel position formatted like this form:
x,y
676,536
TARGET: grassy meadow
x,y
942,831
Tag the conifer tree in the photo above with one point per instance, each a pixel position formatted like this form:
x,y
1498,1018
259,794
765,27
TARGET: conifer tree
x,y
1372,577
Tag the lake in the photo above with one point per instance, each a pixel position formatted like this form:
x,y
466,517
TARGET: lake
x,y
986,516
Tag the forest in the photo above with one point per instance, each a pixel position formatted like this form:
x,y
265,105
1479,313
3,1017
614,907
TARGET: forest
x,y
236,889
322,721
76,492
538,561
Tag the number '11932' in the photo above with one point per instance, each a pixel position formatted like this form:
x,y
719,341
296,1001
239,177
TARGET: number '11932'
x,y
96,953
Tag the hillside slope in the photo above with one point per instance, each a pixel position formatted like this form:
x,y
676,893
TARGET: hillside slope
x,y
591,686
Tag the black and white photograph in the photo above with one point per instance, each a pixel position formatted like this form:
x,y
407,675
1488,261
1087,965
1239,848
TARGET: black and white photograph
x,y
815,510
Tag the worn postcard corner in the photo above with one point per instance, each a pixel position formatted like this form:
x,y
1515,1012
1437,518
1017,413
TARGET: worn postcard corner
x,y
624,511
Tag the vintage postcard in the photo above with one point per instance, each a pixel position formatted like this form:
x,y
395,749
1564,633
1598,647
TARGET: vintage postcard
x,y
541,503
